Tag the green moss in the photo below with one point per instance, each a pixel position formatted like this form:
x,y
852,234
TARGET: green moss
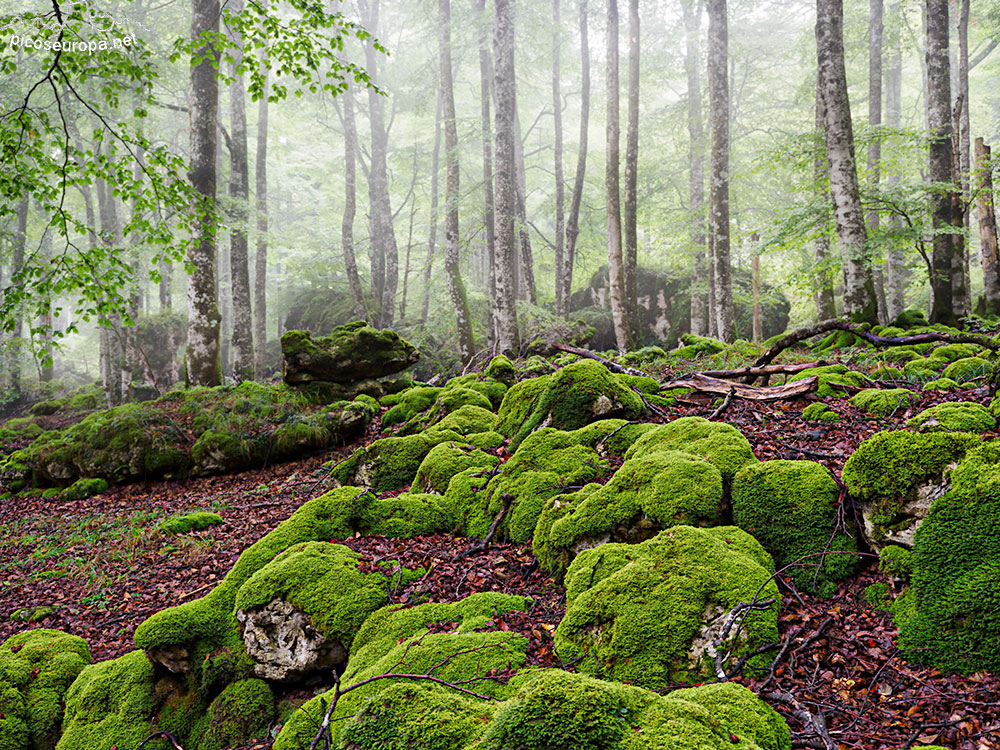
x,y
898,354
967,368
81,489
820,412
954,416
883,402
647,605
940,384
953,352
46,408
408,404
924,369
391,463
184,523
896,562
909,319
501,369
404,516
829,378
578,394
110,705
695,346
535,366
887,373
790,507
36,669
878,596
518,403
445,461
468,420
486,441
650,492
241,712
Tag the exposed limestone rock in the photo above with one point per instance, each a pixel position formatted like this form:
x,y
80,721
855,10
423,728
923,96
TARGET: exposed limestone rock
x,y
351,352
284,643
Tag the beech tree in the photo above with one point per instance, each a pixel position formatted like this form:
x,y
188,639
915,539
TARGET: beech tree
x,y
573,220
696,167
718,212
616,266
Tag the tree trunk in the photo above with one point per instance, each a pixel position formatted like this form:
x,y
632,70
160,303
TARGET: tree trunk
x,y
111,347
875,34
823,295
239,253
696,168
350,205
616,266
506,250
631,176
987,227
940,162
20,241
260,259
485,77
432,233
385,256
757,321
573,220
964,304
718,90
560,246
859,289
456,288
896,270
203,365
523,230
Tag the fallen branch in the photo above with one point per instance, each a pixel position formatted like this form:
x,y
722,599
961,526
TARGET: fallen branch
x,y
705,384
724,405
812,722
478,547
744,609
766,370
613,366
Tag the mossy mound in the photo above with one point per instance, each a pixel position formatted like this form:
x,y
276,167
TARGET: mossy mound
x,y
966,369
184,523
37,667
81,489
948,617
501,369
897,476
649,493
924,369
940,384
696,346
469,420
651,613
790,507
820,412
829,378
578,394
883,402
445,460
423,407
350,353
392,462
896,562
241,712
954,416
954,352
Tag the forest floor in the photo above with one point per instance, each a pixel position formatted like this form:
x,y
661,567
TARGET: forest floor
x,y
102,567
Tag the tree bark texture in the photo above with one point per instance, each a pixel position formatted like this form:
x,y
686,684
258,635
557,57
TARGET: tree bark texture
x,y
616,266
718,219
506,249
875,36
825,302
696,167
986,212
350,205
557,147
573,220
896,271
485,77
260,257
631,176
425,306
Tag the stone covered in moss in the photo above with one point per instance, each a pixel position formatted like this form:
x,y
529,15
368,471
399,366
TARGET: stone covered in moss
x,y
924,369
829,378
896,562
578,394
184,523
820,412
81,489
790,507
110,705
954,416
966,369
696,346
518,403
36,669
940,384
651,613
468,420
240,713
445,460
883,402
949,615
897,476
351,352
500,368
392,462
954,352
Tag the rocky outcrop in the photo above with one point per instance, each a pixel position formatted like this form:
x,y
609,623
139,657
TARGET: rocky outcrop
x,y
284,643
351,353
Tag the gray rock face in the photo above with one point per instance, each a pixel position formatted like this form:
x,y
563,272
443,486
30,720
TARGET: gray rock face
x,y
284,643
175,659
897,521
350,353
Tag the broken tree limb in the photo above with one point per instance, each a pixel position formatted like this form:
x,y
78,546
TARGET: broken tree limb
x,y
705,384
613,366
766,370
724,405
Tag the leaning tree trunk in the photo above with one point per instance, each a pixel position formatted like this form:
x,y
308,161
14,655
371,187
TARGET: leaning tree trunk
x,y
506,250
616,269
696,168
203,365
456,288
485,77
557,148
859,290
987,228
260,259
432,233
631,176
875,33
940,162
573,220
718,88
825,303
527,266
896,271
350,205
239,252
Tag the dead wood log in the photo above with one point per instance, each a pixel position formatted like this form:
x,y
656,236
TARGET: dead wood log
x,y
705,384
766,370
613,366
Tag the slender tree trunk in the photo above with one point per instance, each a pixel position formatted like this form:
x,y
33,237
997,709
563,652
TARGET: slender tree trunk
x,y
350,205
239,252
432,234
696,167
616,265
718,88
859,289
964,150
875,34
20,241
506,250
825,303
385,256
523,230
485,77
757,324
111,365
560,245
456,288
631,176
260,259
573,220
203,365
987,227
941,165
895,266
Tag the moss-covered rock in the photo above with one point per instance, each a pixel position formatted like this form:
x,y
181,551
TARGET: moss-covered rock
x,y
653,613
392,462
81,489
897,476
468,420
790,507
351,352
896,562
110,705
953,352
240,713
924,369
445,460
954,416
883,402
518,403
967,368
829,378
500,368
36,669
940,384
820,412
696,346
578,394
184,523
